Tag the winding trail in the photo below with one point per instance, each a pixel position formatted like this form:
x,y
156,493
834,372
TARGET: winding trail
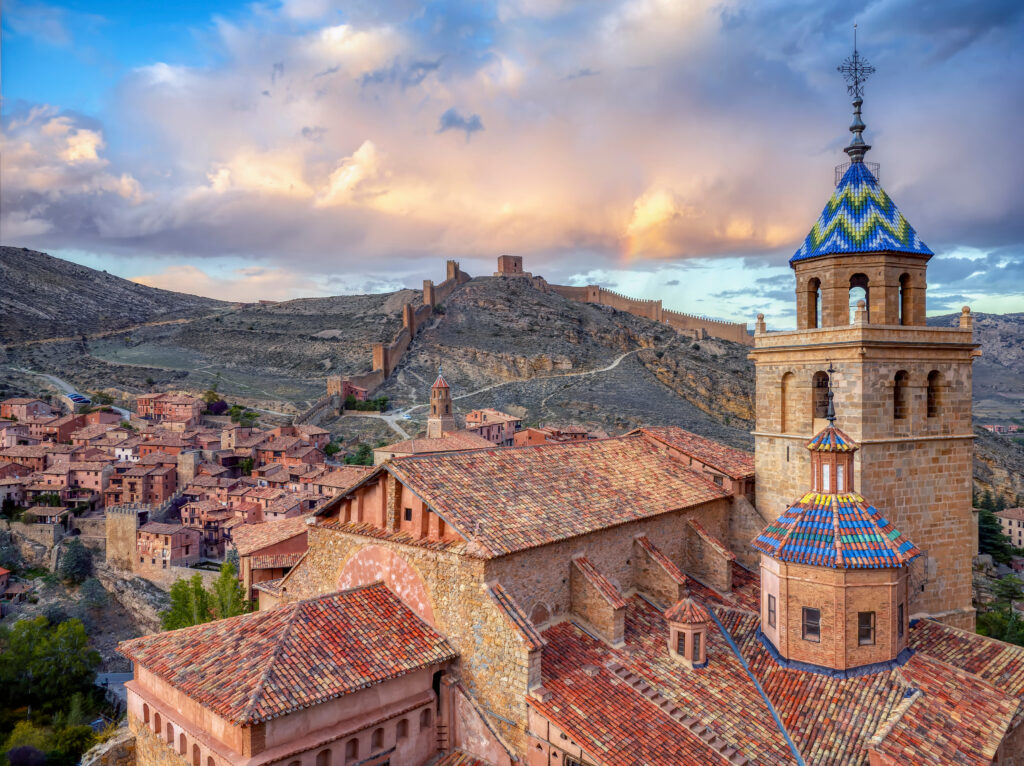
x,y
66,387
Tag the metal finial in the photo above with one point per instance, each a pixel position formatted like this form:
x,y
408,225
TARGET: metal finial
x,y
856,70
830,415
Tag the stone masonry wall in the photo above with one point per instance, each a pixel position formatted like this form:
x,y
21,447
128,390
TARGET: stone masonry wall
x,y
119,750
493,662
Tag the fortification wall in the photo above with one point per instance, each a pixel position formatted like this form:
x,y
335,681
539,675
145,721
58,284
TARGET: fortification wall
x,y
387,356
690,324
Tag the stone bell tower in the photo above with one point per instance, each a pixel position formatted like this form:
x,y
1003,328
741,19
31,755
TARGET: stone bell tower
x,y
441,419
904,389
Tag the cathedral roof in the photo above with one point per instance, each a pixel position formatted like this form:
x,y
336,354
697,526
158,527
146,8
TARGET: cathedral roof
x,y
831,439
262,665
835,531
860,218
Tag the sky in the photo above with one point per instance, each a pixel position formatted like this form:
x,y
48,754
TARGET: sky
x,y
672,150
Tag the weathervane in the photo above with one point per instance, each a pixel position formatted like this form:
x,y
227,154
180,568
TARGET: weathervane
x,y
830,415
855,71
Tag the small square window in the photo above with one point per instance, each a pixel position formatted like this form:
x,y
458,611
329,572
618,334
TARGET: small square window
x,y
865,628
771,611
408,514
811,624
718,480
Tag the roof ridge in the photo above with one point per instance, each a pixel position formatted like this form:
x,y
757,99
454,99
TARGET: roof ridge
x,y
248,714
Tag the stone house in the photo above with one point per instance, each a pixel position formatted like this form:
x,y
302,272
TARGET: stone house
x,y
180,409
1012,522
22,408
161,546
137,483
267,551
495,426
32,457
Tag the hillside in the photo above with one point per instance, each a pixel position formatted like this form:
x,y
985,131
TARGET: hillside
x,y
46,297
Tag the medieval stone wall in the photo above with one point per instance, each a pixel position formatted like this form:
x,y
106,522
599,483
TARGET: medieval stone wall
x,y
121,526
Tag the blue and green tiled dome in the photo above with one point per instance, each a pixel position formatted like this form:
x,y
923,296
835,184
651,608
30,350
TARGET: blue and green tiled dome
x,y
860,218
838,531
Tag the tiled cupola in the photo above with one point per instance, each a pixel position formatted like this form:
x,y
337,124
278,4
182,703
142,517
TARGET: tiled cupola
x,y
688,621
834,571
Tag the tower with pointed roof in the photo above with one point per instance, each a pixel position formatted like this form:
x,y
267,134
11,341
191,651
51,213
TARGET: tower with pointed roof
x,y
904,387
441,419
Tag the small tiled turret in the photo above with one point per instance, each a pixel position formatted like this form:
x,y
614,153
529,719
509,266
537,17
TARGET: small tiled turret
x,y
834,577
688,620
441,419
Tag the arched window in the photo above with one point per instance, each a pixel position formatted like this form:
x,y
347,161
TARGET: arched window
x,y
904,299
425,719
323,758
934,393
157,727
182,744
402,730
210,761
900,397
145,714
540,613
819,390
170,734
860,291
377,739
788,416
813,298
196,759
351,749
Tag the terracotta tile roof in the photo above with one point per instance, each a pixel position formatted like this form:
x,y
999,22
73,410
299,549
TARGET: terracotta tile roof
x,y
688,611
273,587
158,528
440,382
275,560
955,717
523,625
292,657
835,531
636,706
1013,514
521,497
711,540
832,440
734,463
600,582
250,538
450,442
342,478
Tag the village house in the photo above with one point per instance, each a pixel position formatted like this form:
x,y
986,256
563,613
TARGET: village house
x,y
32,457
21,408
495,426
1012,522
552,434
209,518
138,483
268,551
160,546
14,433
181,410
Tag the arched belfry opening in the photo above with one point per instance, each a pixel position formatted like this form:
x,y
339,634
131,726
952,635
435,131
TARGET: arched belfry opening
x,y
860,290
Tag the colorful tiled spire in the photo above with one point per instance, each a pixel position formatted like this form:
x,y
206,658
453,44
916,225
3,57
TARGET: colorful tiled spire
x,y
860,217
440,382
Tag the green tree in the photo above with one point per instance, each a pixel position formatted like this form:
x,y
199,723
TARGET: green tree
x,y
27,734
228,595
991,539
986,501
69,744
43,664
210,395
76,563
332,449
93,594
1006,590
190,604
245,466
362,456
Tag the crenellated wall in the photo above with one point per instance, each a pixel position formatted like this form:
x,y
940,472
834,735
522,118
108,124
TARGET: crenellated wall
x,y
653,310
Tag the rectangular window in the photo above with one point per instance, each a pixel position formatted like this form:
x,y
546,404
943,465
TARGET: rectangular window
x,y
899,621
681,643
840,485
408,514
811,624
825,476
865,628
696,647
771,611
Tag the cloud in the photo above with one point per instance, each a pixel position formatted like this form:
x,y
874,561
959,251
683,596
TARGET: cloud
x,y
453,120
41,22
308,140
243,285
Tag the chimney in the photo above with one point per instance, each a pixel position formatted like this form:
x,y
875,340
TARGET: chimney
x,y
688,620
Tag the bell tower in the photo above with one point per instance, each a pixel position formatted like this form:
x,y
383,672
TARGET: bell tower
x,y
904,388
441,419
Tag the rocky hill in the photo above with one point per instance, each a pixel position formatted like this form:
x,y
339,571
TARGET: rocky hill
x,y
46,297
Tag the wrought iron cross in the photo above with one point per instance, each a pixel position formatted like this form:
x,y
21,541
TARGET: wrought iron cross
x,y
855,70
